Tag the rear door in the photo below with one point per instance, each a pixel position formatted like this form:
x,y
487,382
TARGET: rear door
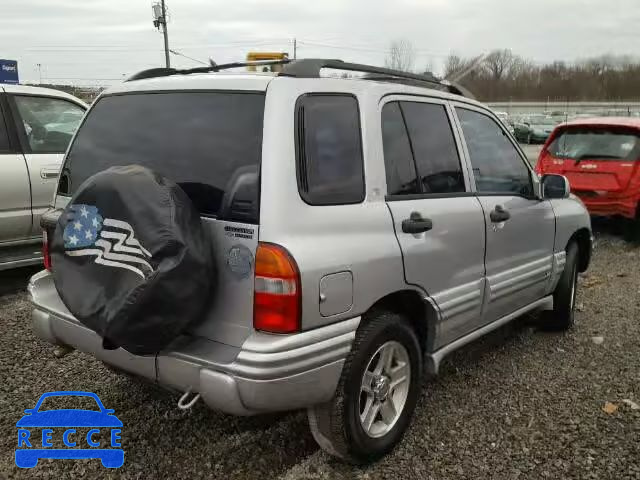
x,y
595,158
15,195
520,228
45,126
437,220
210,143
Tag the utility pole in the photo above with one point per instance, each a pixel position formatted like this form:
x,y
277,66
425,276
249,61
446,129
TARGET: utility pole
x,y
160,19
295,49
165,34
39,72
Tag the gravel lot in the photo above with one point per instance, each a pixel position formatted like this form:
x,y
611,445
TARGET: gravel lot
x,y
518,404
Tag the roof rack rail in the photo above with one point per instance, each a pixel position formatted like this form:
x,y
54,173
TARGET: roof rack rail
x,y
166,72
311,68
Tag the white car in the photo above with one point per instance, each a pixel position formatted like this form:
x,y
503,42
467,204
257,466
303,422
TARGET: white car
x,y
36,126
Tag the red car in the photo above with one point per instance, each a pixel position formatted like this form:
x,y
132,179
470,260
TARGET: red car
x,y
601,159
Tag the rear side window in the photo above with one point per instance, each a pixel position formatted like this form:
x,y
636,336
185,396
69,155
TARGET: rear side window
x,y
330,165
209,143
434,148
596,143
402,178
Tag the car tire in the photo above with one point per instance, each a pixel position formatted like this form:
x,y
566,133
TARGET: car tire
x,y
632,229
564,297
385,350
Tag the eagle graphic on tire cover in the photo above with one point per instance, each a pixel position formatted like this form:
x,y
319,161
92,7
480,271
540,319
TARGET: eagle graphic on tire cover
x,y
112,242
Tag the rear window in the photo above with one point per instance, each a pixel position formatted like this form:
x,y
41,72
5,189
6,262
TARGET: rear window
x,y
596,143
209,143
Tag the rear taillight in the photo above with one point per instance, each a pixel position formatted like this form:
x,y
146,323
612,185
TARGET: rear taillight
x,y
276,304
46,254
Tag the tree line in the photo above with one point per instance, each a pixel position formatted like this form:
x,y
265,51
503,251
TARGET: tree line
x,y
502,75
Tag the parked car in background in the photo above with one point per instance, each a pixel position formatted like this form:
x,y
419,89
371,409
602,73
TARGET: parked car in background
x,y
534,129
505,119
36,126
601,159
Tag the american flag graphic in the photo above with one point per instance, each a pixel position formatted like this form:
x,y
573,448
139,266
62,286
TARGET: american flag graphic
x,y
111,241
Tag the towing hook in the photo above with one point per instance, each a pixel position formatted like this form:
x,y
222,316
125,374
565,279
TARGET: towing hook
x,y
62,351
183,404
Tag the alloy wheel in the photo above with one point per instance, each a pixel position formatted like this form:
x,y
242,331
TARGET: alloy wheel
x,y
384,389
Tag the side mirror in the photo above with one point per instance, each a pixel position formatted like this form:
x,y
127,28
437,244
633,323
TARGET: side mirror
x,y
555,186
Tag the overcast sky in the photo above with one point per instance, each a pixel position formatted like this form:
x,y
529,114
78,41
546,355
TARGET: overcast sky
x,y
91,42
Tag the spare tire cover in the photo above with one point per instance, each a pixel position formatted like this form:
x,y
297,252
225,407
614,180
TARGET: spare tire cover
x,y
131,259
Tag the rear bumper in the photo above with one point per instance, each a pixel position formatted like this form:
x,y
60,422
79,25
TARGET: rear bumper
x,y
610,206
268,373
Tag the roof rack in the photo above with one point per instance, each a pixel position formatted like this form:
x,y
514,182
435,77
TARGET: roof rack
x,y
166,72
311,68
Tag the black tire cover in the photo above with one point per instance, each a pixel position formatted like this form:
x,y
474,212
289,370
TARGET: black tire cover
x,y
131,259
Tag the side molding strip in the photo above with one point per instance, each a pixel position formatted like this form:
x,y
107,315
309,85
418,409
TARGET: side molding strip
x,y
432,361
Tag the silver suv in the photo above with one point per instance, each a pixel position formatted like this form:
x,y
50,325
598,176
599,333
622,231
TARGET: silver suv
x,y
363,228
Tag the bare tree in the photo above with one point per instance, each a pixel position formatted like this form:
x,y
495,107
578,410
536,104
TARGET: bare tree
x,y
428,68
499,63
456,68
503,75
401,56
454,64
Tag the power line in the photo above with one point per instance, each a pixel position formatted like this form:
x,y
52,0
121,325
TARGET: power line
x,y
80,78
367,49
341,47
125,48
187,56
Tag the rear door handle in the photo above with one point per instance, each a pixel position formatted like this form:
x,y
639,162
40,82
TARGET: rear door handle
x,y
416,224
499,214
47,173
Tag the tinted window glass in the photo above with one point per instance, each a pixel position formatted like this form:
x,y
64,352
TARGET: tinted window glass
x,y
209,143
4,135
497,165
49,123
398,159
330,167
434,147
596,143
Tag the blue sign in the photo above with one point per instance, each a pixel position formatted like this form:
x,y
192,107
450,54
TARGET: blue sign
x,y
8,71
38,429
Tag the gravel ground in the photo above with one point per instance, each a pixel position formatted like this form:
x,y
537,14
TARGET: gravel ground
x,y
517,404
